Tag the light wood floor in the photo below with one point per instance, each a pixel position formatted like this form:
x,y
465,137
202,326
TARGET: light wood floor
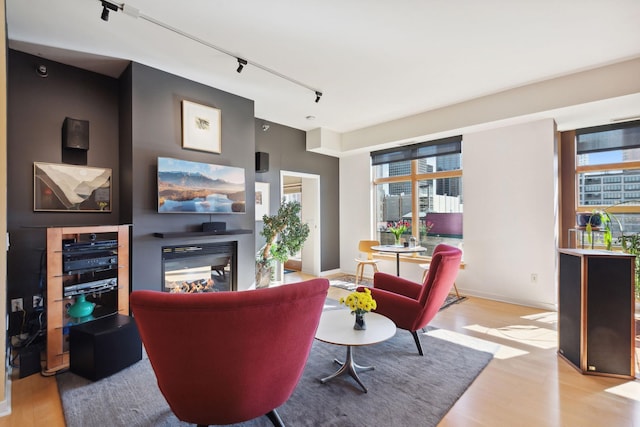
x,y
526,384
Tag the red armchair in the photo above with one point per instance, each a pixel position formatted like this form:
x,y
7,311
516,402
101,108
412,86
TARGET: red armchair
x,y
412,305
229,357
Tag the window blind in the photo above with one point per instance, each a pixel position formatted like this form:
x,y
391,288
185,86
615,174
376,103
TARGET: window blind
x,y
607,138
439,147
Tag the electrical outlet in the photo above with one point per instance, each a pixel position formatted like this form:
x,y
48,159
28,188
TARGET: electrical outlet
x,y
534,277
37,301
16,304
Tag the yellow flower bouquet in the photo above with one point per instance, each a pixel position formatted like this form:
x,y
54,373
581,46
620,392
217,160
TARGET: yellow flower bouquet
x,y
360,303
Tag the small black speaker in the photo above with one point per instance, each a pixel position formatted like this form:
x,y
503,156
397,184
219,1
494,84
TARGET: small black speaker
x,y
75,134
214,226
262,162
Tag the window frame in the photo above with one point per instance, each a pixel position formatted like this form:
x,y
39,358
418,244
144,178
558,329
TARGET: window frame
x,y
414,178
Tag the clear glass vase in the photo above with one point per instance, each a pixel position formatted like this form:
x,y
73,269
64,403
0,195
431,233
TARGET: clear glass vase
x,y
360,324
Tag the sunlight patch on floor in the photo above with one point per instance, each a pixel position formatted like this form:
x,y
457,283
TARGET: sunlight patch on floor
x,y
524,334
466,340
550,317
630,390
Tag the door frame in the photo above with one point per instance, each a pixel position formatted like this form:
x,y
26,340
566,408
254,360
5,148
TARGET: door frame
x,y
311,250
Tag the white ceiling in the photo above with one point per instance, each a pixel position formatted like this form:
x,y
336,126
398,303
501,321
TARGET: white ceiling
x,y
374,60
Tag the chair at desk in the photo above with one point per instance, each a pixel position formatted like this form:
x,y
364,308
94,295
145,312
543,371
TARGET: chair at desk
x,y
364,247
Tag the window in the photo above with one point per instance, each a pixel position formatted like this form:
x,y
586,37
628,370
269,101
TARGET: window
x,y
608,173
420,184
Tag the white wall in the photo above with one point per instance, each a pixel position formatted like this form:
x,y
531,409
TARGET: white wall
x,y
510,207
510,214
356,207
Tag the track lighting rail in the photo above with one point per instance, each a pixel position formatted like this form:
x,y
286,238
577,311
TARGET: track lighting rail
x,y
108,5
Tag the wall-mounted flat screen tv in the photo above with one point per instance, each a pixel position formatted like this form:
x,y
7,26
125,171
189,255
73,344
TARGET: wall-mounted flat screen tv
x,y
194,187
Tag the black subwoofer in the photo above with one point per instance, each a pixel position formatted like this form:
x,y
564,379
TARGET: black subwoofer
x,y
103,347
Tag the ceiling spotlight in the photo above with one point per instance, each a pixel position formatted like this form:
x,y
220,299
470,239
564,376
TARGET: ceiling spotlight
x,y
318,96
105,10
42,70
265,127
241,64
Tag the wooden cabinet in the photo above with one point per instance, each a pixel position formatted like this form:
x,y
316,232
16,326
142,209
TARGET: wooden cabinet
x,y
596,311
92,261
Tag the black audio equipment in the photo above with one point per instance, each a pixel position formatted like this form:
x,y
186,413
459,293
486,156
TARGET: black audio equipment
x,y
72,245
262,162
91,287
104,346
74,263
214,226
29,361
75,134
596,312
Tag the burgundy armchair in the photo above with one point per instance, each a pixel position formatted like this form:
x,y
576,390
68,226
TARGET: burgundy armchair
x,y
229,357
412,305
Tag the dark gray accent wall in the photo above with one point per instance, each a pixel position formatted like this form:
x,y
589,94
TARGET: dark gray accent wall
x,y
36,109
287,151
134,120
156,131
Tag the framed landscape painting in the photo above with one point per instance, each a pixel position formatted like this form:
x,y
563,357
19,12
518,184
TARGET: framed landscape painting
x,y
201,129
195,187
70,188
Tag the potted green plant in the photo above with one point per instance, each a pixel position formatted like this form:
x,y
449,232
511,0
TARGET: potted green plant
x,y
284,233
597,219
631,244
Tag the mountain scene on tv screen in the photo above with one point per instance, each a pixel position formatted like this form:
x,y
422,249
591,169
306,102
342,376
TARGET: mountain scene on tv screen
x,y
220,189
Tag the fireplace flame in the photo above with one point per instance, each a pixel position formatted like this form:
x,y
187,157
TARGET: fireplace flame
x,y
196,286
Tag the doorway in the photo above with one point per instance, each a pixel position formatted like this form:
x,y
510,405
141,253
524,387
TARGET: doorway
x,y
304,188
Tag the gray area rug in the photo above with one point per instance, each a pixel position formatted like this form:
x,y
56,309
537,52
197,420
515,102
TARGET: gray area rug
x,y
348,282
404,389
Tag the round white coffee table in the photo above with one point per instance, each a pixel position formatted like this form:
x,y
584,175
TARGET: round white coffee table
x,y
336,327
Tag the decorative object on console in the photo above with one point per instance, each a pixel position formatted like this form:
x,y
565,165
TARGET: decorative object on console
x,y
201,127
262,200
70,188
194,187
81,308
360,303
285,233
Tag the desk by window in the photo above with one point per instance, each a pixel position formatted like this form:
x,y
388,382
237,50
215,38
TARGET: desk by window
x,y
398,250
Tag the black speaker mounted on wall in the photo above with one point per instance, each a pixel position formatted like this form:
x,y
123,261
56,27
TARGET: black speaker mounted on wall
x,y
75,134
262,162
